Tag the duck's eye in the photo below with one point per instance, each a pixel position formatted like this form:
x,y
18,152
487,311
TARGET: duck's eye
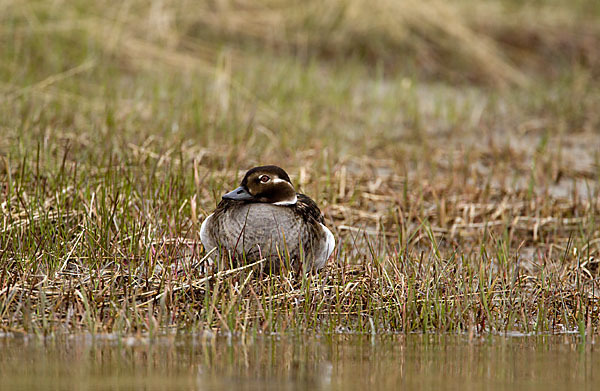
x,y
264,178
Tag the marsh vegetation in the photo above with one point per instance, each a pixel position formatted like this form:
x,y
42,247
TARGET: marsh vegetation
x,y
454,148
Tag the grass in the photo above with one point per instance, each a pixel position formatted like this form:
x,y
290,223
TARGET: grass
x,y
457,163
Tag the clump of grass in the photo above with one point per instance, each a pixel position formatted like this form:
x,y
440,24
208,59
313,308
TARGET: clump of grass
x,y
457,208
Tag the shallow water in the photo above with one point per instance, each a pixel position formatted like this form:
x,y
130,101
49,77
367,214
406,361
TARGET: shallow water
x,y
341,362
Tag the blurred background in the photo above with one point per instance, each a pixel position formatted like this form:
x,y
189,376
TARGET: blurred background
x,y
350,76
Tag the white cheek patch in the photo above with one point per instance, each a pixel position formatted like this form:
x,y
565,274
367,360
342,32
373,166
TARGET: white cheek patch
x,y
287,202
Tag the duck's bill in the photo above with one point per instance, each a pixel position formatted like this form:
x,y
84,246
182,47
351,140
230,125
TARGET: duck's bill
x,y
238,194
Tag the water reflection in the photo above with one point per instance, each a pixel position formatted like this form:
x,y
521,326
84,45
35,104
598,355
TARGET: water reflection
x,y
297,362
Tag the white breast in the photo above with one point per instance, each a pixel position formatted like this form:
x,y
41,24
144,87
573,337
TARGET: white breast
x,y
326,249
204,237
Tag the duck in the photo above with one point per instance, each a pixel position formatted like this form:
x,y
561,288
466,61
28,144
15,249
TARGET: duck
x,y
266,219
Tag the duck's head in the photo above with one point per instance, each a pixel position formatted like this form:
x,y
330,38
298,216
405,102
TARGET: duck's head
x,y
268,184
